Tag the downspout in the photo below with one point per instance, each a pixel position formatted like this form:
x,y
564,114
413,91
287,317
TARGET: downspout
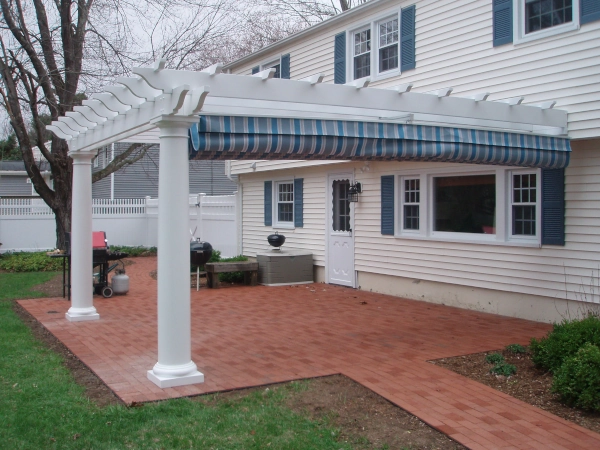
x,y
112,175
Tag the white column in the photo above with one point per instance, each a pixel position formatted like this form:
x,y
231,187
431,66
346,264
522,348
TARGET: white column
x,y
175,366
82,299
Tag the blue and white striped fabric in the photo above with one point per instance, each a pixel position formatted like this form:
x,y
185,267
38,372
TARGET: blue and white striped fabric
x,y
218,137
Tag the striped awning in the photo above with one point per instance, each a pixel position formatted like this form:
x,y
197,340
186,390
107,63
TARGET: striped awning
x,y
229,137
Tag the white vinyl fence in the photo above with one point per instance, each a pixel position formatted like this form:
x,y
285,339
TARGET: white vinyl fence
x,y
27,224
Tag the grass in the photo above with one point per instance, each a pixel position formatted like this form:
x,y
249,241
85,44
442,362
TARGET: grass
x,y
42,407
18,285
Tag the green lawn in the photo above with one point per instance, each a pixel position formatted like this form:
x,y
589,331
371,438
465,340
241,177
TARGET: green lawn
x,y
42,407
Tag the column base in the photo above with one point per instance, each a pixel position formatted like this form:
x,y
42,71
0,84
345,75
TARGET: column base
x,y
171,376
81,314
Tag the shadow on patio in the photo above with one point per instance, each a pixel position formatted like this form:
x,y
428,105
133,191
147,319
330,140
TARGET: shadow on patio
x,y
249,336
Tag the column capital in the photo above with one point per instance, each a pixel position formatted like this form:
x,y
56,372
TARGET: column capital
x,y
166,121
82,157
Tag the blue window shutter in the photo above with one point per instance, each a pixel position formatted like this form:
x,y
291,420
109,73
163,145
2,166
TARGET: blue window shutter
x,y
407,38
503,22
387,205
268,203
553,206
339,59
285,66
589,11
299,202
255,70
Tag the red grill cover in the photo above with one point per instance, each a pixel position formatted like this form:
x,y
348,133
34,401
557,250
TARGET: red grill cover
x,y
99,240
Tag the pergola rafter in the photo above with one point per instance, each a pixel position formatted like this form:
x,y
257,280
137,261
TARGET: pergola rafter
x,y
172,100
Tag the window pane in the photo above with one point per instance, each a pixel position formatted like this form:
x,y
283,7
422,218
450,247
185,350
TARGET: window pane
x,y
285,212
465,204
411,217
524,220
362,66
341,205
388,58
541,14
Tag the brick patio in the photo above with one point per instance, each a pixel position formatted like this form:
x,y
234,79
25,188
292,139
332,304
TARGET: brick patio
x,y
249,336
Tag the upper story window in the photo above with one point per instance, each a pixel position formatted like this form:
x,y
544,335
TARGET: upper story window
x,y
383,59
537,19
388,45
362,54
276,64
379,49
542,14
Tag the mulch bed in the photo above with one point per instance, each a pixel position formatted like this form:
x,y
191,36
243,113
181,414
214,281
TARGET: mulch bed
x,y
529,384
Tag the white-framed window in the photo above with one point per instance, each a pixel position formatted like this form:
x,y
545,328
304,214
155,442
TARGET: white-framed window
x,y
284,203
388,51
464,204
410,208
499,205
361,53
524,215
96,162
536,19
375,49
275,64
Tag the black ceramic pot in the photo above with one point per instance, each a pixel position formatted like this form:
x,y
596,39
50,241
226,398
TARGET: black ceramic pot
x,y
276,240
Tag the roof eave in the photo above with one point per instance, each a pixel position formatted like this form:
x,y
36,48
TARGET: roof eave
x,y
307,32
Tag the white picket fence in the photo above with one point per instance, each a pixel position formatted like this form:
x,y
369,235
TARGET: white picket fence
x,y
27,224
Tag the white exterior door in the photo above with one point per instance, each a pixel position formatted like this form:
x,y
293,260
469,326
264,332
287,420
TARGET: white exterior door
x,y
340,240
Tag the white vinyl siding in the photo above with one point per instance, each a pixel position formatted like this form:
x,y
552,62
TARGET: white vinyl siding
x,y
570,272
311,236
459,54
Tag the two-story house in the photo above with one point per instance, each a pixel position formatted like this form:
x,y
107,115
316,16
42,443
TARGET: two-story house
x,y
511,234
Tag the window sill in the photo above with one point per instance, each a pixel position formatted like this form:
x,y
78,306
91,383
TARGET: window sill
x,y
283,226
489,241
548,32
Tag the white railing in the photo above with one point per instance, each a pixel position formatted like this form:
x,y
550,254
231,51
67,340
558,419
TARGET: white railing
x,y
24,207
118,206
27,224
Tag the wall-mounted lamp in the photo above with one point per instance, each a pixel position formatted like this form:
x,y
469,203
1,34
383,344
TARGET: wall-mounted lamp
x,y
353,192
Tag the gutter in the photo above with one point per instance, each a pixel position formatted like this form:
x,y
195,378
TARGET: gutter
x,y
308,31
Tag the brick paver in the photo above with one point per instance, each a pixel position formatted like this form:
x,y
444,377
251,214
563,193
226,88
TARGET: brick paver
x,y
249,336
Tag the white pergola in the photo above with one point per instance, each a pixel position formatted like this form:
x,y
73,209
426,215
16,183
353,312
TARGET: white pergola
x,y
171,101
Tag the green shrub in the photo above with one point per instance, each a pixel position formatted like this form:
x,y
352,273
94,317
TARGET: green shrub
x,y
504,369
516,348
494,358
564,341
577,381
233,277
134,251
30,262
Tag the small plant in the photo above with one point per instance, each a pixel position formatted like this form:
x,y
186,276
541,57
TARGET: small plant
x,y
564,341
233,277
516,349
504,369
134,251
577,381
30,262
494,358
